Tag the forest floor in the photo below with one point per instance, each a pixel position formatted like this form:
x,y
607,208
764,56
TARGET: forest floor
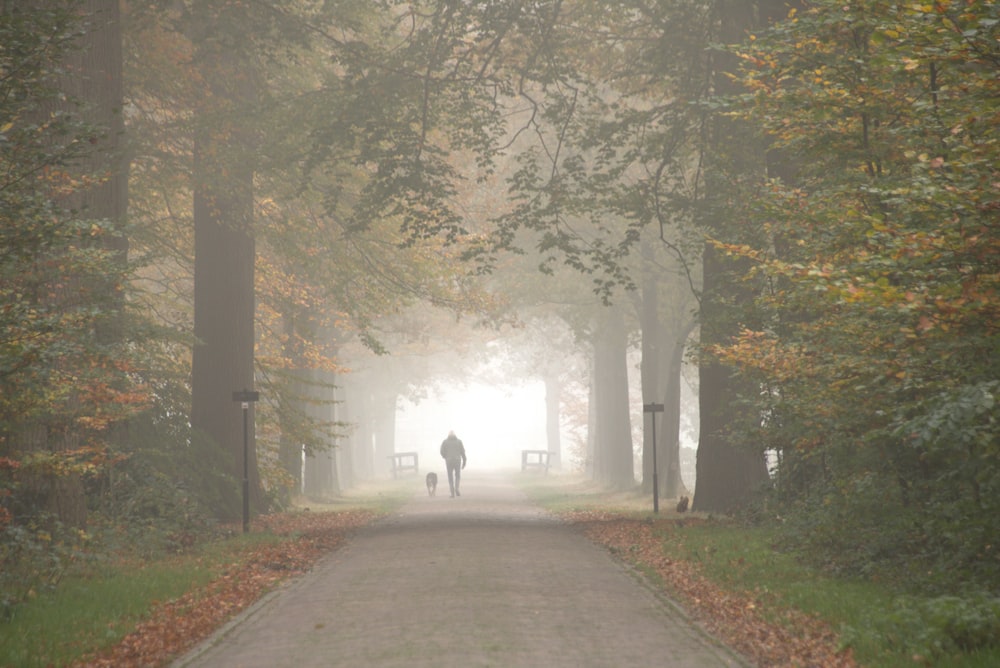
x,y
485,579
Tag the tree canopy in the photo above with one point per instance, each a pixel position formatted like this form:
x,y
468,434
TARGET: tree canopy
x,y
820,179
874,344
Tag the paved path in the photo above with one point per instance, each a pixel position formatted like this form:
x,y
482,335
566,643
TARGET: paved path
x,y
485,579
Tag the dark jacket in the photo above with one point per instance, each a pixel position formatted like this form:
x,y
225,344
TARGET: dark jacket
x,y
453,450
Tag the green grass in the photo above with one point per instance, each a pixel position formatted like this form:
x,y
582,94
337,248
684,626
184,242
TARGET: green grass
x,y
885,625
871,617
96,609
96,606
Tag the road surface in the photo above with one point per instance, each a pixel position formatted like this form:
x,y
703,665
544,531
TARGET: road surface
x,y
484,579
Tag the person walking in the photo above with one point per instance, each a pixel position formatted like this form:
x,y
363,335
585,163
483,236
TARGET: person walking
x,y
453,451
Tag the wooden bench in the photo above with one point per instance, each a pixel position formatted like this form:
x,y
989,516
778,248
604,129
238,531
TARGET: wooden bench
x,y
535,459
404,461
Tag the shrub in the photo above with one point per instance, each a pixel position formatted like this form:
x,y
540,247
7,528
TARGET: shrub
x,y
935,627
34,557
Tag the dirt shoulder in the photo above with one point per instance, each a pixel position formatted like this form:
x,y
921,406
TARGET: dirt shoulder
x,y
485,579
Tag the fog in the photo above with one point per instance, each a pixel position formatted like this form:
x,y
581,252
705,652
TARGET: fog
x,y
494,422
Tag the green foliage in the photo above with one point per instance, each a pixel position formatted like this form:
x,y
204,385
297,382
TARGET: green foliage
x,y
164,493
433,95
936,629
886,620
952,448
883,626
872,350
34,558
64,381
97,606
48,260
862,217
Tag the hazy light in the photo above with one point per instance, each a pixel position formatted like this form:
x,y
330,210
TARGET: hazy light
x,y
495,423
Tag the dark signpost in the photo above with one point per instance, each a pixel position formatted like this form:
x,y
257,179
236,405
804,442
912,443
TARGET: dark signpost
x,y
245,397
654,409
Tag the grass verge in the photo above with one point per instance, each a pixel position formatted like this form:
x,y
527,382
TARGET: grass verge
x,y
883,625
99,607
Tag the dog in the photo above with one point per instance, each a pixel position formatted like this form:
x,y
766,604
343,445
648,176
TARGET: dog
x,y
432,483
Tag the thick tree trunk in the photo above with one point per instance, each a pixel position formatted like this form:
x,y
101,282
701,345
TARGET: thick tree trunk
x,y
613,457
320,475
96,79
727,472
222,361
662,357
669,358
223,356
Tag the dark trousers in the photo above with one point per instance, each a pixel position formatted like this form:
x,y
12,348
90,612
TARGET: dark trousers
x,y
454,473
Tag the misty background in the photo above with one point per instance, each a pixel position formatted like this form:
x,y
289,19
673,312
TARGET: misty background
x,y
250,250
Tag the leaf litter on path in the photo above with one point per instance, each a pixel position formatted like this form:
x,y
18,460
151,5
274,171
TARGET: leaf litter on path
x,y
176,626
736,618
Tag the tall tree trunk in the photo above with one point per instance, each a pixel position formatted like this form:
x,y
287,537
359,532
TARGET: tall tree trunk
x,y
590,452
553,399
383,414
99,85
323,478
343,453
355,412
662,356
673,482
223,356
648,305
613,458
727,472
319,479
326,413
292,409
108,198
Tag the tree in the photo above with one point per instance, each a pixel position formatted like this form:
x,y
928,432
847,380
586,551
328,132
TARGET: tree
x,y
613,432
223,356
667,318
879,325
648,150
63,260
